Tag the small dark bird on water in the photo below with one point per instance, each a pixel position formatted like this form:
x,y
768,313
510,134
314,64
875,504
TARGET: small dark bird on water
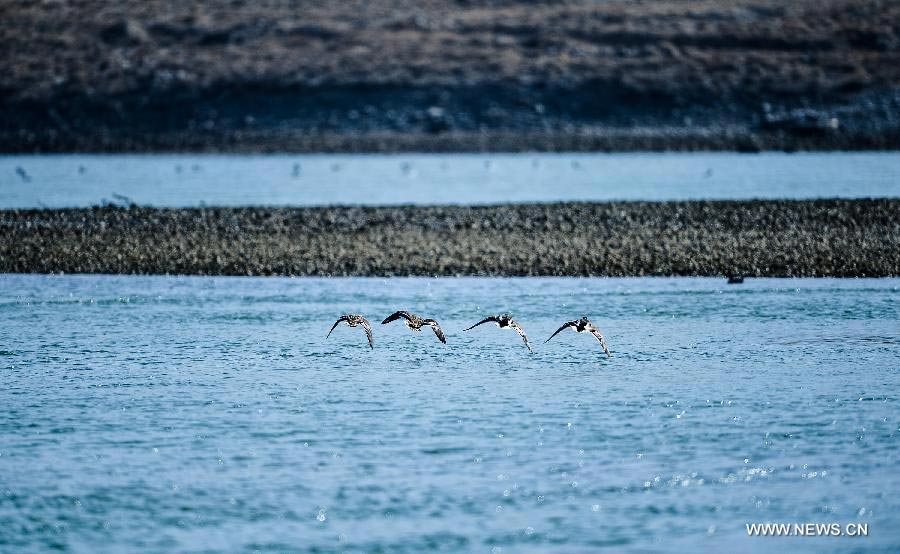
x,y
735,279
416,323
584,325
504,321
353,320
20,171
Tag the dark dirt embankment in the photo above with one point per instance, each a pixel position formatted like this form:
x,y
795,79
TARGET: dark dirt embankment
x,y
755,238
429,75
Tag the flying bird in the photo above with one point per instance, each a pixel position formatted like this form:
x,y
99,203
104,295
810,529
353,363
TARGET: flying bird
x,y
416,323
580,326
504,321
353,320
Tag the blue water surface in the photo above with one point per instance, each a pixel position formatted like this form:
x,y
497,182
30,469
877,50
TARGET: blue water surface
x,y
79,180
196,414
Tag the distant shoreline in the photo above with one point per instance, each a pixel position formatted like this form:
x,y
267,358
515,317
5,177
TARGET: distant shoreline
x,y
590,139
510,76
763,238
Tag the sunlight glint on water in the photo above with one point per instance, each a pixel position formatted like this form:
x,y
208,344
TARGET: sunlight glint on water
x,y
193,414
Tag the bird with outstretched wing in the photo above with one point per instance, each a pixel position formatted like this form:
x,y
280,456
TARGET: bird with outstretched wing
x,y
354,320
416,323
505,321
583,325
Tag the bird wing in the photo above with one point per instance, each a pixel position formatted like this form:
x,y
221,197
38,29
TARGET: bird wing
x,y
395,316
485,320
564,326
368,327
599,335
437,330
522,334
336,323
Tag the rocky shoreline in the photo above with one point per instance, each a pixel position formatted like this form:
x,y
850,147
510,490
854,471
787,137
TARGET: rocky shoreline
x,y
658,138
843,238
437,76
